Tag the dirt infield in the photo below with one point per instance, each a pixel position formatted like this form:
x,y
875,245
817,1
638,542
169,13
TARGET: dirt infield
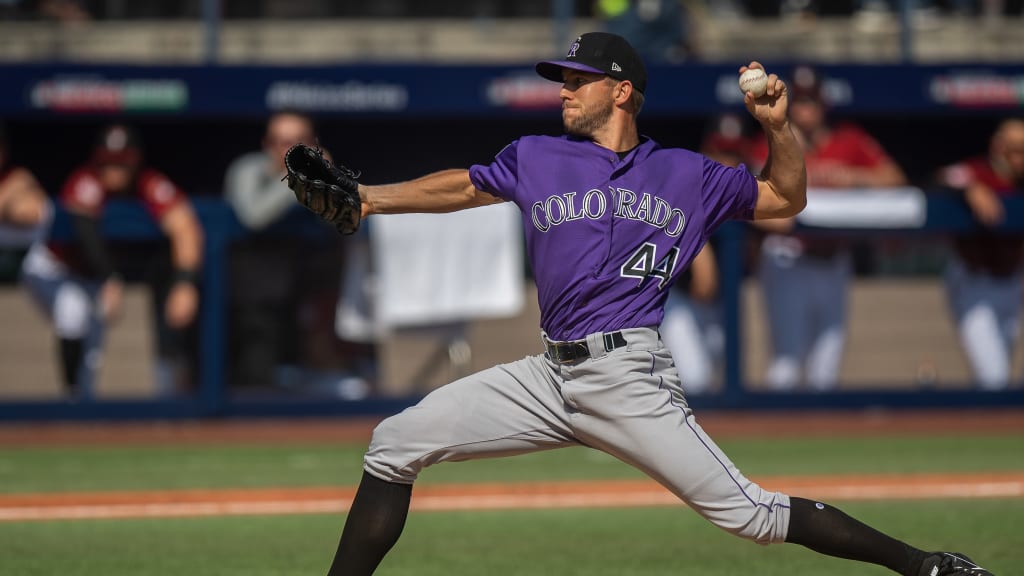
x,y
588,494
717,423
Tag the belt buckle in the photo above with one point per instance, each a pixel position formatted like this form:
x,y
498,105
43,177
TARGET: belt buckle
x,y
567,352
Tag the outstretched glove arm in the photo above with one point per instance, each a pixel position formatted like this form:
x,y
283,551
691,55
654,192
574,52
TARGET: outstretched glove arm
x,y
435,193
327,190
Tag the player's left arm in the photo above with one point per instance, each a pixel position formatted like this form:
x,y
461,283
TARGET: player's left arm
x,y
182,227
871,166
782,185
886,174
439,192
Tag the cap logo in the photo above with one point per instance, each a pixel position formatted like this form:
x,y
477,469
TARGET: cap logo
x,y
616,67
572,49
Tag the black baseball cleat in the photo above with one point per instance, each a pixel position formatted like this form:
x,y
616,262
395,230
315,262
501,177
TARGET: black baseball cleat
x,y
951,564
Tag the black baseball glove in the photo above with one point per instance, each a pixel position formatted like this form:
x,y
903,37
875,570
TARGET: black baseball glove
x,y
328,190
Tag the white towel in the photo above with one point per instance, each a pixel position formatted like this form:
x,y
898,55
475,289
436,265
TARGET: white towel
x,y
903,207
436,268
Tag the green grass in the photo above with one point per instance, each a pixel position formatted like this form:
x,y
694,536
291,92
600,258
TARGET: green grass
x,y
44,469
626,542
620,542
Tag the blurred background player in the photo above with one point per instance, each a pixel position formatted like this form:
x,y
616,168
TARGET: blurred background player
x,y
23,204
985,275
692,328
76,281
24,210
804,278
264,267
284,286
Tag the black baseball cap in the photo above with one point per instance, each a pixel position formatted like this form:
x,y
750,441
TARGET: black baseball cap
x,y
599,53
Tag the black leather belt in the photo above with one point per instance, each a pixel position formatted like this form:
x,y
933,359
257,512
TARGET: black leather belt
x,y
576,350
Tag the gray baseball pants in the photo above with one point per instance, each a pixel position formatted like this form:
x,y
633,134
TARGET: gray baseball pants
x,y
627,402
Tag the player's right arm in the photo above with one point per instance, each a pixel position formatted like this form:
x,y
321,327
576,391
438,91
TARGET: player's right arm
x,y
980,197
782,185
444,191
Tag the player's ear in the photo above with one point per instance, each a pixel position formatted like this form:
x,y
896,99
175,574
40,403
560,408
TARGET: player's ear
x,y
623,92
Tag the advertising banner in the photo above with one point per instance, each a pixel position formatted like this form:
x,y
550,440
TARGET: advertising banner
x,y
693,89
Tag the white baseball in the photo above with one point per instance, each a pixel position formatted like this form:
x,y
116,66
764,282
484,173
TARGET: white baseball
x,y
754,80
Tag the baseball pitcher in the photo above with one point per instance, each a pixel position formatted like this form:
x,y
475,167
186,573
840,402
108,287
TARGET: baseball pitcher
x,y
611,220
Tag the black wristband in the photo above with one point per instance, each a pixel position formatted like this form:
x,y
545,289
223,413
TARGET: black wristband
x,y
183,275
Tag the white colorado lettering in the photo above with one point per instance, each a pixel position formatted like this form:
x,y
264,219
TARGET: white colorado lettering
x,y
680,220
548,207
575,212
588,202
536,211
660,213
626,200
644,207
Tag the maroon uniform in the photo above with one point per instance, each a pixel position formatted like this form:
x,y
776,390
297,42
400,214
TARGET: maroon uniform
x,y
83,194
983,251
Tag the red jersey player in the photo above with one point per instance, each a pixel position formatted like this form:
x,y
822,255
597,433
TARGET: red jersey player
x,y
76,281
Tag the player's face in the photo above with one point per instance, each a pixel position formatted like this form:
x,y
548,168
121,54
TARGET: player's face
x,y
587,102
115,177
283,132
806,115
1012,149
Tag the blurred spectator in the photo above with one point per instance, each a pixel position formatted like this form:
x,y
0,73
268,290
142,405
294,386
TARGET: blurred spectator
x,y
264,268
692,327
984,278
921,11
23,204
68,11
658,29
885,13
24,212
729,9
804,278
64,10
253,185
77,284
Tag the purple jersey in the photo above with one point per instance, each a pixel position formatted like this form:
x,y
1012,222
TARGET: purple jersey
x,y
607,237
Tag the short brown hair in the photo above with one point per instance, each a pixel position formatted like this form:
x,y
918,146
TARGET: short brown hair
x,y
636,99
638,102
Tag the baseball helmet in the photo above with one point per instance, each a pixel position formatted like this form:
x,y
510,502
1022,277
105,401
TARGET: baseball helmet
x,y
806,85
118,144
726,134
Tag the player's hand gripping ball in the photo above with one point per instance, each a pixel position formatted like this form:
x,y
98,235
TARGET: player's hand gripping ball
x,y
327,190
754,80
